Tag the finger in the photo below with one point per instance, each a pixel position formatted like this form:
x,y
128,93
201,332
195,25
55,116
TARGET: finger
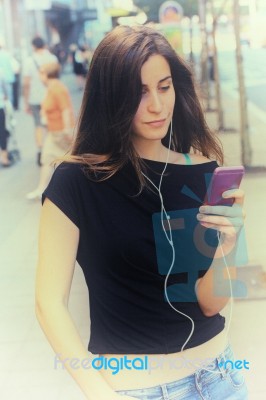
x,y
233,211
221,220
237,194
229,231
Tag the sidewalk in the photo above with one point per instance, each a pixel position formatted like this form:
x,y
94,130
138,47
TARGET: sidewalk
x,y
254,183
248,327
27,367
231,140
27,361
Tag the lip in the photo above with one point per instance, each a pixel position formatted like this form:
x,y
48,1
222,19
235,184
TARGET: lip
x,y
156,123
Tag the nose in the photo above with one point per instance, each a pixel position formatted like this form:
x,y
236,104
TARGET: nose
x,y
155,103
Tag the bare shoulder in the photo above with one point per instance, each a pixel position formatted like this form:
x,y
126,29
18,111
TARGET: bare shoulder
x,y
199,159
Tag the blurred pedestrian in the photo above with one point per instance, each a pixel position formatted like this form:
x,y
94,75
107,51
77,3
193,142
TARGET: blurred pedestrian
x,y
7,69
58,113
16,84
80,62
59,52
34,89
5,162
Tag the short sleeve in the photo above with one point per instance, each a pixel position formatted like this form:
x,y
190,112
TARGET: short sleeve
x,y
63,190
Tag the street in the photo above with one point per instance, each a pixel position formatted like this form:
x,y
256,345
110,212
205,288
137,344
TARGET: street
x,y
255,78
254,60
27,364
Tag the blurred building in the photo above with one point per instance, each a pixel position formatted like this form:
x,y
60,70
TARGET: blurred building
x,y
62,23
253,21
59,22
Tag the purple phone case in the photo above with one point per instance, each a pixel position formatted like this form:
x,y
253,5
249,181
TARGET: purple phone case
x,y
223,178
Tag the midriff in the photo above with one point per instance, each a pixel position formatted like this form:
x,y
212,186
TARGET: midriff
x,y
164,368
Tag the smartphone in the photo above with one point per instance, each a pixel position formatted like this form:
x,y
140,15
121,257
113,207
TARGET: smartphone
x,y
223,178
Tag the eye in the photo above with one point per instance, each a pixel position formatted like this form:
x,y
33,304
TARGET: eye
x,y
164,88
144,90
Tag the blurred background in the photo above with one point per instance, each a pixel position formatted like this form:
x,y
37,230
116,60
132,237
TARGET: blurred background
x,y
224,41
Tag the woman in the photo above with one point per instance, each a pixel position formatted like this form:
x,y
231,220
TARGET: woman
x,y
57,113
117,207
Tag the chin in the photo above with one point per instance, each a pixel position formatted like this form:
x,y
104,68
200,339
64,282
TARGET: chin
x,y
150,134
156,135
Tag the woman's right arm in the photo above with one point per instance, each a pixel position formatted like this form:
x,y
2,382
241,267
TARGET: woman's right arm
x,y
58,243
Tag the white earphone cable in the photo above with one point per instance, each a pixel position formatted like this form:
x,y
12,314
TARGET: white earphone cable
x,y
170,240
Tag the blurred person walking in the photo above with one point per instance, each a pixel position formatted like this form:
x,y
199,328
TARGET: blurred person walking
x,y
16,84
80,62
58,112
34,89
5,162
6,66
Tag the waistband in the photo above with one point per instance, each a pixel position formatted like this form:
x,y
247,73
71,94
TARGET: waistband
x,y
214,367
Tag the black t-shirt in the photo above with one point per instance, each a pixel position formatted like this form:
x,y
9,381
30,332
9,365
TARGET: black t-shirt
x,y
125,256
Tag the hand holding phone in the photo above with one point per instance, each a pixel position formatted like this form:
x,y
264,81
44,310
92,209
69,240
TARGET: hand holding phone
x,y
223,179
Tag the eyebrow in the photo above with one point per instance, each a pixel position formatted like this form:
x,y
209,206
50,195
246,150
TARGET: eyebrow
x,y
161,80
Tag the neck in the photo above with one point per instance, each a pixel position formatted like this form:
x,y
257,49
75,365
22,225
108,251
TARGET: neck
x,y
51,81
151,150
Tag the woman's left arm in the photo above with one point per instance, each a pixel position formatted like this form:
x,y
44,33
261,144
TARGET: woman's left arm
x,y
228,222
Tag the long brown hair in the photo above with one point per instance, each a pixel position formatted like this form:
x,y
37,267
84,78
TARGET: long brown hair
x,y
112,96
